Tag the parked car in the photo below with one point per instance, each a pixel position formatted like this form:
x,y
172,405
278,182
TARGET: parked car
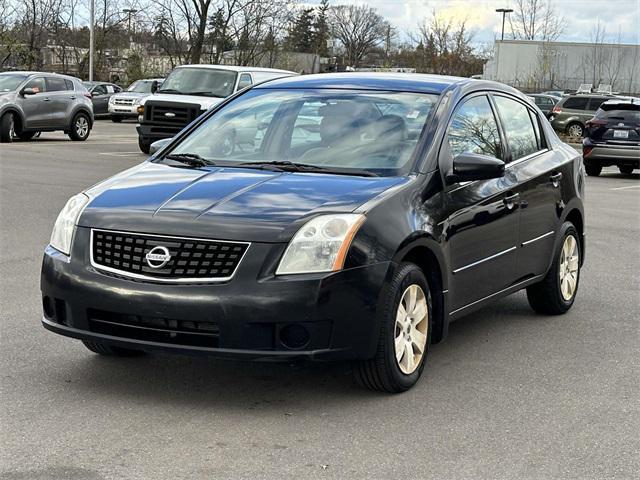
x,y
612,137
544,102
555,93
570,114
361,239
101,92
32,102
189,91
125,105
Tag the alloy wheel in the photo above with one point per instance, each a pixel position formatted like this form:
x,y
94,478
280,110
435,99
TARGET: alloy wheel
x,y
575,131
412,323
12,127
82,126
569,263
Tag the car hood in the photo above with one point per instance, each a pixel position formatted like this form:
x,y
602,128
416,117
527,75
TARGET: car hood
x,y
223,202
204,102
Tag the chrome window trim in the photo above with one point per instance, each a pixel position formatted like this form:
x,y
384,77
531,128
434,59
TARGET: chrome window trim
x,y
138,276
544,235
486,259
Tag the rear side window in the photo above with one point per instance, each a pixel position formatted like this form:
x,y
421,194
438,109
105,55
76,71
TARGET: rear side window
x,y
56,84
474,129
69,84
100,90
516,121
245,81
576,103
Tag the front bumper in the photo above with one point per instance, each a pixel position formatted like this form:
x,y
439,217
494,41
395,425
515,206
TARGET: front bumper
x,y
123,110
150,133
249,316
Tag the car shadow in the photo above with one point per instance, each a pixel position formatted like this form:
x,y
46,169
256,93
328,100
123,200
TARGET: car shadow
x,y
264,386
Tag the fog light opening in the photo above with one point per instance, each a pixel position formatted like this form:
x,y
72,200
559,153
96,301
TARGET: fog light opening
x,y
294,336
47,306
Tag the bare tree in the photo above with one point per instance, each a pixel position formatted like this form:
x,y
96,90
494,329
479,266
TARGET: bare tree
x,y
536,20
359,29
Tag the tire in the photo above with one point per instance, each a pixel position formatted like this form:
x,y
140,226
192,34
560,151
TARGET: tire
x,y
26,135
384,372
549,297
626,169
145,147
80,128
7,128
575,130
116,119
593,170
111,351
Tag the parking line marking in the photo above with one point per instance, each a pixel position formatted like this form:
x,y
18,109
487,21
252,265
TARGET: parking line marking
x,y
625,188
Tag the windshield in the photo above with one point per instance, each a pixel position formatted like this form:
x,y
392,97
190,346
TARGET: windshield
x,y
200,81
9,82
332,129
141,86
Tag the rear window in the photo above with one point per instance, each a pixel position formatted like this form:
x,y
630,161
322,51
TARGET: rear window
x,y
627,113
576,103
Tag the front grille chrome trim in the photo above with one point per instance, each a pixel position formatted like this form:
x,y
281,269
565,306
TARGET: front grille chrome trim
x,y
137,276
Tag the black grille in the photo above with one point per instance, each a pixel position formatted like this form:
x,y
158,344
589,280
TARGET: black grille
x,y
178,114
191,259
154,329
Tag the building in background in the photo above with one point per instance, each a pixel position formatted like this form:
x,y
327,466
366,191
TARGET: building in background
x,y
536,65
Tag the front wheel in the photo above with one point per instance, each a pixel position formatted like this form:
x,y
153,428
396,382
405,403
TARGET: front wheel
x,y
555,294
404,333
145,146
625,169
80,128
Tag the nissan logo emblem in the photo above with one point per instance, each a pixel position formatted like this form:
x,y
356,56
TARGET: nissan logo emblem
x,y
158,257
170,114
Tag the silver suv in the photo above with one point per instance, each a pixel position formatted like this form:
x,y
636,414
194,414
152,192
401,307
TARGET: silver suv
x,y
32,102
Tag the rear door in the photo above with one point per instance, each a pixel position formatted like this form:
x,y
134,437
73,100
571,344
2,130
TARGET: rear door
x,y
61,100
37,107
482,216
539,175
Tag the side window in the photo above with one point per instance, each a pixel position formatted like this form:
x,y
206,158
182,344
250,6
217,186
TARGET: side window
x,y
521,136
56,84
576,103
38,84
99,90
69,85
542,144
474,129
595,103
245,81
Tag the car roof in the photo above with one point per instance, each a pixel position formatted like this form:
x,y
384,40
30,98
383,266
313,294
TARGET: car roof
x,y
235,68
31,73
400,82
623,101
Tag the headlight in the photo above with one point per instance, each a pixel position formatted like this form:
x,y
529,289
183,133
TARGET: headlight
x,y
66,223
321,245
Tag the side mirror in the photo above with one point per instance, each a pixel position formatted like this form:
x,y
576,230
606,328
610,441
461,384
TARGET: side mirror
x,y
154,86
159,145
29,91
475,166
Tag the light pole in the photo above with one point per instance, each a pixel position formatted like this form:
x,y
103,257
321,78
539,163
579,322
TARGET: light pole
x,y
504,12
129,12
91,22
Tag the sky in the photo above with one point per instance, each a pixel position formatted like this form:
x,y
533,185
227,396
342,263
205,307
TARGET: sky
x,y
621,18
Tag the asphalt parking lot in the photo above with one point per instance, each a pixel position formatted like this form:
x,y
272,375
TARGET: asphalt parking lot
x,y
509,394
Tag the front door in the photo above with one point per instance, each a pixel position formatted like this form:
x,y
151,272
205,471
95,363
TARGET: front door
x,y
37,107
481,228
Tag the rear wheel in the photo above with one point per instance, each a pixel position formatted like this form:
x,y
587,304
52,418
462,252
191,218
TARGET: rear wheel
x,y
593,170
575,130
80,128
555,294
404,336
626,169
7,128
110,350
145,146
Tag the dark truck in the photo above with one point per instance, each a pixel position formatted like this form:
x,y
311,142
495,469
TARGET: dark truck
x,y
188,92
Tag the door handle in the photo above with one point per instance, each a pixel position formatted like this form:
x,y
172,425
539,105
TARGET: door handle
x,y
46,99
511,201
555,179
72,97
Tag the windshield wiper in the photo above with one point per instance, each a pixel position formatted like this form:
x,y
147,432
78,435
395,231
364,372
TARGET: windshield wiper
x,y
168,90
191,159
287,166
206,94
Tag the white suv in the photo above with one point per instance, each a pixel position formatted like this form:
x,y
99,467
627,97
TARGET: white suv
x,y
125,105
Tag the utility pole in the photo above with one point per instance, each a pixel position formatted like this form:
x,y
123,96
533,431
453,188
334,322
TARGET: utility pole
x,y
129,12
504,12
91,34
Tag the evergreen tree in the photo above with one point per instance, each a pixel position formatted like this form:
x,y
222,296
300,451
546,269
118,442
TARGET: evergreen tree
x,y
300,37
321,32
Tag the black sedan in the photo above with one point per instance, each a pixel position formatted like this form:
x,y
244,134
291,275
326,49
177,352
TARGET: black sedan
x,y
338,216
101,92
